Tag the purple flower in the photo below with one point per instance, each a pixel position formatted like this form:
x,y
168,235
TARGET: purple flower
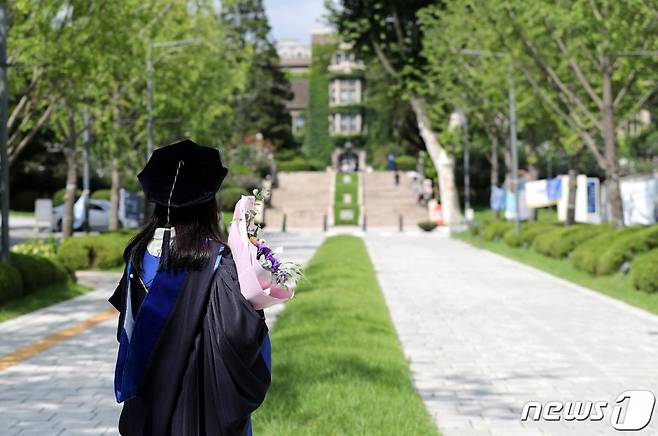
x,y
264,250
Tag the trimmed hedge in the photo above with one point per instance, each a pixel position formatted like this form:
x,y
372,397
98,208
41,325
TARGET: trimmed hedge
x,y
102,194
405,163
558,243
11,283
28,273
644,272
39,272
37,247
94,251
527,235
625,248
58,196
586,256
495,229
300,164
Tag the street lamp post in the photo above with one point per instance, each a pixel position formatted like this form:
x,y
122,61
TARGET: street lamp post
x,y
512,130
467,169
4,154
150,67
86,185
459,121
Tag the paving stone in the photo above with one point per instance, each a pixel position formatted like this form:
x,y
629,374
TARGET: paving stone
x,y
68,389
485,334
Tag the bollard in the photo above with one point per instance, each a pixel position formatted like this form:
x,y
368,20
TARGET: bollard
x,y
324,223
365,222
283,224
401,223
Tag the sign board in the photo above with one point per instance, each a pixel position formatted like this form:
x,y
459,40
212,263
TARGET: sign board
x,y
346,214
588,199
639,196
130,208
43,213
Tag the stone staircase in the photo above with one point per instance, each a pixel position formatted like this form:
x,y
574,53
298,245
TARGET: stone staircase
x,y
304,197
384,202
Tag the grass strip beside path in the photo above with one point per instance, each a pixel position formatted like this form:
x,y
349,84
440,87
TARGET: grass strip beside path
x,y
39,299
617,285
338,367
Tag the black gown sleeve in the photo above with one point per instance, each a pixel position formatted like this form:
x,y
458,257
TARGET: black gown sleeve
x,y
234,331
118,301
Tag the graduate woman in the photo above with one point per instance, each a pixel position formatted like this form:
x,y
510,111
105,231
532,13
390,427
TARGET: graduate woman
x,y
194,354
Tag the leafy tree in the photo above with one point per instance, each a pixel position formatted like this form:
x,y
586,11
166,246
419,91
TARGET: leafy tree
x,y
589,61
390,33
262,107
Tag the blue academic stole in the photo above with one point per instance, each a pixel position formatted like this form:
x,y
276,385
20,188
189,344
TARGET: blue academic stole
x,y
139,336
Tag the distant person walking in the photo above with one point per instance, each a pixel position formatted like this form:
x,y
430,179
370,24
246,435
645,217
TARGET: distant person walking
x,y
390,162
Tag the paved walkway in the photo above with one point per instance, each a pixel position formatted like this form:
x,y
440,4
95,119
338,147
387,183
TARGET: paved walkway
x,y
484,335
67,389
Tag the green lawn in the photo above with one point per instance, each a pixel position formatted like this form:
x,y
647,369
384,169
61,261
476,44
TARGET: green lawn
x,y
21,213
338,367
41,298
346,188
616,285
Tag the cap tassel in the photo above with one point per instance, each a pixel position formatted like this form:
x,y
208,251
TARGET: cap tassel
x,y
164,254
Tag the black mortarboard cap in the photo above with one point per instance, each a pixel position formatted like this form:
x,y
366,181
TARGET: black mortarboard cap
x,y
182,174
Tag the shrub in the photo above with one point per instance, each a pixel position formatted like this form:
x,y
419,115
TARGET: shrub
x,y
563,246
37,247
230,196
300,164
625,248
58,196
102,194
585,256
427,226
405,163
94,251
529,231
11,283
495,229
39,272
560,241
644,271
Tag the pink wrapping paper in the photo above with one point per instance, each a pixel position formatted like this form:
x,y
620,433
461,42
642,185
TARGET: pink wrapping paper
x,y
255,281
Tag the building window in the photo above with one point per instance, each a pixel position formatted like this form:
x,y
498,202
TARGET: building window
x,y
348,91
298,123
349,123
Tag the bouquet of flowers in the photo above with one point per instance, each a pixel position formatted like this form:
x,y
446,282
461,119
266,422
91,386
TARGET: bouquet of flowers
x,y
264,279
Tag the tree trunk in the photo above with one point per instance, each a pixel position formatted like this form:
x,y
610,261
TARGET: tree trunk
x,y
573,185
507,157
609,140
533,171
114,196
444,164
71,180
493,159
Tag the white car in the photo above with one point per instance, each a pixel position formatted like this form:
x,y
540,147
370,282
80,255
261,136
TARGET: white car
x,y
99,215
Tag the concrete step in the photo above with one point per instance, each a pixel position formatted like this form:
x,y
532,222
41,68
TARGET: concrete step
x,y
384,202
303,196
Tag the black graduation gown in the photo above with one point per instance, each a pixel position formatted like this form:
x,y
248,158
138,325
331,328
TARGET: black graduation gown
x,y
205,375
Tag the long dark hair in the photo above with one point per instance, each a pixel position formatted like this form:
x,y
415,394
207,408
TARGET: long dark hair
x,y
196,226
